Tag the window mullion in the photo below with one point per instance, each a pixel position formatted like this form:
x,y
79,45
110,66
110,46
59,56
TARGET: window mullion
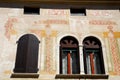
x,y
81,60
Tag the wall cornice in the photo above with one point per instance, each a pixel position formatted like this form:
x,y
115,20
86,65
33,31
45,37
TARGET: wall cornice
x,y
84,3
109,2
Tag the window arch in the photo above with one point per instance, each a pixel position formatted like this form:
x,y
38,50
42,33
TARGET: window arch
x,y
27,54
93,57
69,56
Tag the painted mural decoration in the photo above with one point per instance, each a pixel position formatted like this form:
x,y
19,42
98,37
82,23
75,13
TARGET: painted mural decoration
x,y
102,22
114,50
52,21
9,27
76,25
56,12
48,34
100,13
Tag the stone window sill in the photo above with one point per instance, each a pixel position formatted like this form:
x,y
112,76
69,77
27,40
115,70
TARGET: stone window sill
x,y
24,75
81,76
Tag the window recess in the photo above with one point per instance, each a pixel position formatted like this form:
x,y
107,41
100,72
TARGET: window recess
x,y
69,56
31,10
93,56
78,12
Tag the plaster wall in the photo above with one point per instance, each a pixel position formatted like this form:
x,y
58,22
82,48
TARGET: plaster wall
x,y
50,26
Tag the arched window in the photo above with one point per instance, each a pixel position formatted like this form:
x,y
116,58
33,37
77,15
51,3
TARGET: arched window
x,y
27,54
93,57
69,56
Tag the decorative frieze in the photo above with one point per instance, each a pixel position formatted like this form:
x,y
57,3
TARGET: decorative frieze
x,y
55,12
51,21
102,22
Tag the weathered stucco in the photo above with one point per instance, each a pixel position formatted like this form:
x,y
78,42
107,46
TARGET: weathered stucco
x,y
51,26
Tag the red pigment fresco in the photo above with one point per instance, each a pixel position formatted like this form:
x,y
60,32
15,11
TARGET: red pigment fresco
x,y
114,51
51,22
102,22
9,30
56,12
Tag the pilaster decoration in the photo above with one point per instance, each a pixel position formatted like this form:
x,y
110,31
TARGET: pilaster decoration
x,y
116,34
114,51
54,35
81,59
47,55
112,44
43,34
48,59
50,41
109,59
105,55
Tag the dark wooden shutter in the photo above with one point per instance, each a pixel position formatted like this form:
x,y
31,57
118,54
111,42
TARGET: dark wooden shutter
x,y
27,54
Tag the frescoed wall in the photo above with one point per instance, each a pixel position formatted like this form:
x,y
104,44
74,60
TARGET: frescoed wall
x,y
48,27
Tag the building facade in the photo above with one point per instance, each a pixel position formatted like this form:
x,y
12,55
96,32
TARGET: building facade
x,y
50,40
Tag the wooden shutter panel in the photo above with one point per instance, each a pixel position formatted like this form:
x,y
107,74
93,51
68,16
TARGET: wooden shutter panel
x,y
32,55
20,64
27,54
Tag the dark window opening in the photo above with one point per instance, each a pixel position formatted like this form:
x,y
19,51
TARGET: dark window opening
x,y
31,10
93,57
75,11
69,56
